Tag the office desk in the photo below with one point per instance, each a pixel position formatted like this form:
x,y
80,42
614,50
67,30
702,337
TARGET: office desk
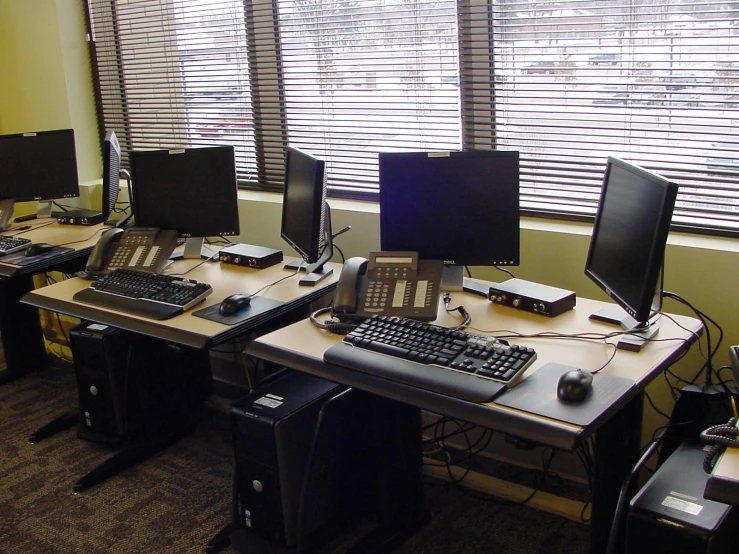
x,y
20,328
302,345
187,329
292,303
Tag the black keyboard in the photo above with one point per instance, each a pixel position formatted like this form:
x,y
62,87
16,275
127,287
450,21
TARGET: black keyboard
x,y
462,365
8,245
144,294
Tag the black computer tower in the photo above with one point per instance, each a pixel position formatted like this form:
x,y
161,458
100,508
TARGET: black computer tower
x,y
130,385
669,514
273,429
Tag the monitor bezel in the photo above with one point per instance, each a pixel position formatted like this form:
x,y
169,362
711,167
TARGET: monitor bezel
x,y
111,172
71,187
482,258
650,294
230,219
310,249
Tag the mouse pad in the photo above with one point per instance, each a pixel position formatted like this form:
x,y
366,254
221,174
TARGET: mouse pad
x,y
537,394
258,305
19,258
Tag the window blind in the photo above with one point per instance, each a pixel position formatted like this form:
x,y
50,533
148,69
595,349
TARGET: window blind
x,y
565,83
654,83
173,74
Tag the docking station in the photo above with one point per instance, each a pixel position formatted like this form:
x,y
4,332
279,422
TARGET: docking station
x,y
532,297
249,255
78,217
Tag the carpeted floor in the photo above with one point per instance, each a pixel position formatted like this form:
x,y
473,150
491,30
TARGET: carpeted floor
x,y
177,500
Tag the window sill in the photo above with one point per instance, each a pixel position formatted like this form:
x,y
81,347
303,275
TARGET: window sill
x,y
678,239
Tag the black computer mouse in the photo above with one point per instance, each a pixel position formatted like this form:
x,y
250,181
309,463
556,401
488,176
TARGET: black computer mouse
x,y
574,386
38,248
234,304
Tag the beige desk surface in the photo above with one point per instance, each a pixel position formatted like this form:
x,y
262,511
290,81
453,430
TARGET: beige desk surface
x,y
187,328
723,484
78,237
302,345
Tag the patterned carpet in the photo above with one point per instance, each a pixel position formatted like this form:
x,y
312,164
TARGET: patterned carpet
x,y
179,499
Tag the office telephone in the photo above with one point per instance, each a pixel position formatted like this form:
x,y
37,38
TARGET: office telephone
x,y
389,283
734,357
142,248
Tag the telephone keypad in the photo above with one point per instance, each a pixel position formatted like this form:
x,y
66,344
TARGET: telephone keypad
x,y
120,256
377,293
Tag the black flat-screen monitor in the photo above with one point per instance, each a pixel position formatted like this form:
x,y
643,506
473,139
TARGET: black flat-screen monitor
x,y
37,166
627,248
459,207
306,217
111,172
190,190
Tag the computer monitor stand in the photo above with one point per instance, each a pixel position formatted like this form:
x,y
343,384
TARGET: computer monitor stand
x,y
44,209
638,334
317,272
6,212
7,207
452,278
195,249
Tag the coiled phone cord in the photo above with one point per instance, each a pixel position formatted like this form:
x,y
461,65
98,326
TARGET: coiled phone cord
x,y
718,437
331,325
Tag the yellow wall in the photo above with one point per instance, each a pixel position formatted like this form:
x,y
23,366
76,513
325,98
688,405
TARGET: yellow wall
x,y
45,75
46,84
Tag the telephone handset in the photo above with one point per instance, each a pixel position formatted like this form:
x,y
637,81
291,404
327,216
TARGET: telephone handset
x,y
142,248
389,283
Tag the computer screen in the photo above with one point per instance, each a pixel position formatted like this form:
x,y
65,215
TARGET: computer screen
x,y
191,190
460,207
306,218
627,247
111,172
37,166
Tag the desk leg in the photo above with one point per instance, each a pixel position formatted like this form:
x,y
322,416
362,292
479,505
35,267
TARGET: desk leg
x,y
129,456
617,447
20,330
221,540
400,503
61,423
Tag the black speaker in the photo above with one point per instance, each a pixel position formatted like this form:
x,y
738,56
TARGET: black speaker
x,y
130,385
669,514
273,438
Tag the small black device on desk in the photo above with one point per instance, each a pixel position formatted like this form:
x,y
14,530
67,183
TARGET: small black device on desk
x,y
249,255
532,297
78,217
